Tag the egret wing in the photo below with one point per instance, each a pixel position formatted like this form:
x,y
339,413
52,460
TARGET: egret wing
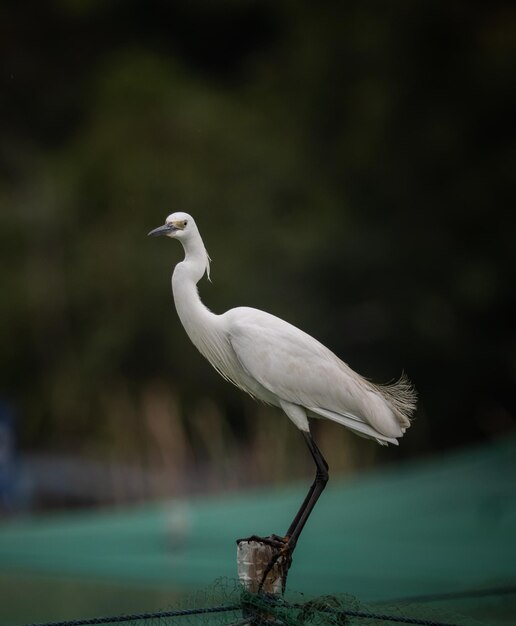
x,y
294,366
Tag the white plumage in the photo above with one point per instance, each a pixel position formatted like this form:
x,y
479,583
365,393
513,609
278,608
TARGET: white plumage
x,y
278,363
281,365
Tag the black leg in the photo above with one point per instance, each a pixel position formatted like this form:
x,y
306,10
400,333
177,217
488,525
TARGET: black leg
x,y
317,487
284,546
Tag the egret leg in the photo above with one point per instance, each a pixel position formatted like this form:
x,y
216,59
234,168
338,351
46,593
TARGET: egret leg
x,y
284,546
298,523
317,487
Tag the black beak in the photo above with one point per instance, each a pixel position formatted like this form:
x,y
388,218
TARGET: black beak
x,y
162,230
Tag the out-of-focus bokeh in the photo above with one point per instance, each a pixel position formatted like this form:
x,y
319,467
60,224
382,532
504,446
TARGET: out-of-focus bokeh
x,y
351,169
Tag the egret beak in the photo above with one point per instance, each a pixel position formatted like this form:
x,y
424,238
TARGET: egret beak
x,y
162,230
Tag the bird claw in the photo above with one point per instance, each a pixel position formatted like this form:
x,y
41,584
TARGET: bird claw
x,y
282,550
282,558
274,541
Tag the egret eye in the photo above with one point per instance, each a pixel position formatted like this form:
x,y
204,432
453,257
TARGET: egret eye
x,y
185,222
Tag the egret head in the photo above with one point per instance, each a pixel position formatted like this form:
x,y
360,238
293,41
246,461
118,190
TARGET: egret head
x,y
183,227
177,225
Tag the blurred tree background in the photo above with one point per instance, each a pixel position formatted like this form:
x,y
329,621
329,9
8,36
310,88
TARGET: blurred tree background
x,y
351,169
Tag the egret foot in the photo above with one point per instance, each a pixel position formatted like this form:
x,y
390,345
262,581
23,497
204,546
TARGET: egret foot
x,y
266,562
282,559
274,541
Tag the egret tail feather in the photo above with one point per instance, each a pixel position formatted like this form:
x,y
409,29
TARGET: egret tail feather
x,y
401,396
355,424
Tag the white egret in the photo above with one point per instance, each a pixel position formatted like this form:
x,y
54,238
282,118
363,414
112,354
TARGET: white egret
x,y
281,365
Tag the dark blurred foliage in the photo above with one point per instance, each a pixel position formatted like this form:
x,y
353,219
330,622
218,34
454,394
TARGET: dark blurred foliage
x,y
350,166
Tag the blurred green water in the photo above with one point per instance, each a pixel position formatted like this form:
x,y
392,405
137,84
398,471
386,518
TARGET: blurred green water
x,y
442,526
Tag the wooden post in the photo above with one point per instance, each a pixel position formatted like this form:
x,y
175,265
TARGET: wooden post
x,y
253,558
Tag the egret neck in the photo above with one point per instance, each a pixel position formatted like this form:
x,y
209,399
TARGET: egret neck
x,y
194,315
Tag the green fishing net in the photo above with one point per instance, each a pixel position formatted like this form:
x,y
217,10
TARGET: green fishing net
x,y
226,603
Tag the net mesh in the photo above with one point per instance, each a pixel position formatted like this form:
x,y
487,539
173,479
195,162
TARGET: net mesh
x,y
225,603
